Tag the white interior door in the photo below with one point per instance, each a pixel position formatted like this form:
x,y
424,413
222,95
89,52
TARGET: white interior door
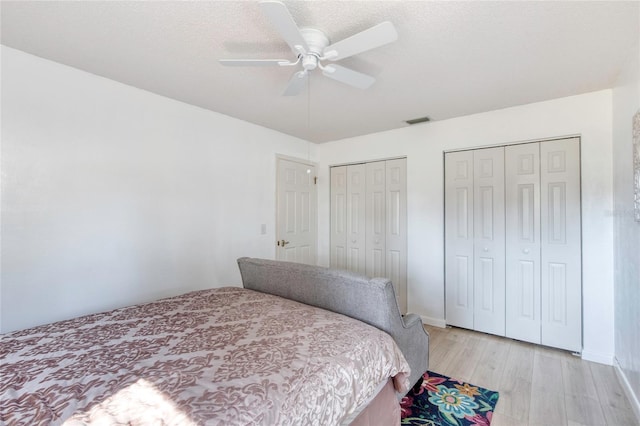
x,y
489,241
522,195
296,208
396,238
561,277
356,218
338,206
376,219
459,238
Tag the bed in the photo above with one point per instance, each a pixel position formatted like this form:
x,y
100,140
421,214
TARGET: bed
x,y
226,356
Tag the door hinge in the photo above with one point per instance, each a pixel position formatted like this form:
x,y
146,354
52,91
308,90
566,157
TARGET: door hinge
x,y
315,180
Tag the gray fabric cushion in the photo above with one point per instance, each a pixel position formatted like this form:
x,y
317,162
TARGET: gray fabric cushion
x,y
369,300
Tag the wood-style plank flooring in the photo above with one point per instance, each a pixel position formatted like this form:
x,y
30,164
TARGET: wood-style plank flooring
x,y
537,385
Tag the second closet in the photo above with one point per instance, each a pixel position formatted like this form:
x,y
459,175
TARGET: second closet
x,y
369,221
513,244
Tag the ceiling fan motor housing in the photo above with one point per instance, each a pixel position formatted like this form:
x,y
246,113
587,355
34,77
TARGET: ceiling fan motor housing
x,y
316,41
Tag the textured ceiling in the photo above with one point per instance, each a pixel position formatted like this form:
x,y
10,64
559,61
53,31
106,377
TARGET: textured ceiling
x,y
451,58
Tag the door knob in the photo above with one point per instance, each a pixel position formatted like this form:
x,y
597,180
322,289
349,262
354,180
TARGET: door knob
x,y
284,243
525,251
485,249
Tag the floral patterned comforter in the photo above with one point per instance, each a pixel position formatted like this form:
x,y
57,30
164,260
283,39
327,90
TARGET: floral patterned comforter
x,y
227,356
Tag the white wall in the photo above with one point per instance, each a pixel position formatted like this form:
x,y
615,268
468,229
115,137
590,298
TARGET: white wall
x,y
112,195
586,115
626,102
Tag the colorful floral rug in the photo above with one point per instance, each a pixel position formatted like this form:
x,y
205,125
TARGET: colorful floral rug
x,y
438,400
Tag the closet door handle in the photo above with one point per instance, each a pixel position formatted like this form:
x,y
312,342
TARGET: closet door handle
x,y
525,251
486,249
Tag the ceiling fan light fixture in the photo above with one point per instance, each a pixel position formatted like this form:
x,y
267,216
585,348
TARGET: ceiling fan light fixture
x,y
418,120
309,62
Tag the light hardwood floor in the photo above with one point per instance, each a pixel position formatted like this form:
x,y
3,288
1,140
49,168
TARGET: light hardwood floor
x,y
537,385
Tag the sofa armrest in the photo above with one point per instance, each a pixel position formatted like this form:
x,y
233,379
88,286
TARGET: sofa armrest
x,y
411,319
413,340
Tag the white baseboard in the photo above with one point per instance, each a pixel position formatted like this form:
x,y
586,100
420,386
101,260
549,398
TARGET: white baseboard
x,y
436,322
599,357
633,398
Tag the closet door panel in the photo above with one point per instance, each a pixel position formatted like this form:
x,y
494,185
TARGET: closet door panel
x,y
396,234
489,241
338,206
561,277
376,219
459,238
522,196
356,218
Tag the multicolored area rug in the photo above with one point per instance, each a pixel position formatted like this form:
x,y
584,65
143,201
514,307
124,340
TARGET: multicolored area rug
x,y
438,400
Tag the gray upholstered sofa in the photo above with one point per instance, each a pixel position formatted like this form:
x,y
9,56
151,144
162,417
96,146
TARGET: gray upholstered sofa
x,y
369,300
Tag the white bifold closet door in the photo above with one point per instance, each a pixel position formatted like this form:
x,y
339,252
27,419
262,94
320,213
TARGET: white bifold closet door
x,y
348,215
543,244
459,238
369,221
488,227
376,219
474,210
356,215
523,309
513,257
561,247
396,226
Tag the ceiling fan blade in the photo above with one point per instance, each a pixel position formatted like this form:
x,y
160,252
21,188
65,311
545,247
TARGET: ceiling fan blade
x,y
348,76
282,20
253,62
296,83
375,36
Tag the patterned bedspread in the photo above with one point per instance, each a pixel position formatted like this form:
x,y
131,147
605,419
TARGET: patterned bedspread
x,y
226,356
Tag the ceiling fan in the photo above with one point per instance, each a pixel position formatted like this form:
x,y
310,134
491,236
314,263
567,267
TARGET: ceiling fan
x,y
311,47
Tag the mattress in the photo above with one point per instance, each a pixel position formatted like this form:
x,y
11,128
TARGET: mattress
x,y
227,356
